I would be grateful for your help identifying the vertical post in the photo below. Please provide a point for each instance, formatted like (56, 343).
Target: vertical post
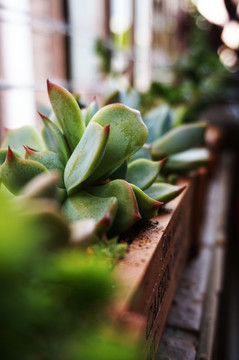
(107, 10)
(132, 60)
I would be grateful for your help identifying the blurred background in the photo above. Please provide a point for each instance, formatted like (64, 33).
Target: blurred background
(98, 46)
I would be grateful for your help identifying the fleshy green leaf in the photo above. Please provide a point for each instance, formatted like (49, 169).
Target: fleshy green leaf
(26, 135)
(187, 160)
(164, 192)
(86, 156)
(148, 207)
(143, 172)
(91, 110)
(54, 139)
(143, 153)
(86, 206)
(47, 158)
(127, 135)
(158, 121)
(127, 213)
(17, 172)
(67, 112)
(178, 139)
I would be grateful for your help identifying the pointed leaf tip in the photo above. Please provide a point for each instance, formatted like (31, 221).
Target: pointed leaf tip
(137, 217)
(157, 204)
(162, 161)
(107, 128)
(49, 84)
(10, 154)
(29, 149)
(183, 187)
(106, 220)
(41, 115)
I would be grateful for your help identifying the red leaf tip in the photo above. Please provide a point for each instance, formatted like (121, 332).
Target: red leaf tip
(29, 150)
(137, 217)
(40, 114)
(181, 188)
(106, 220)
(162, 161)
(157, 204)
(107, 128)
(49, 85)
(10, 155)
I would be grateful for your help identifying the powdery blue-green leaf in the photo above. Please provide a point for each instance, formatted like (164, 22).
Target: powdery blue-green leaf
(91, 110)
(17, 172)
(26, 135)
(127, 135)
(143, 172)
(83, 205)
(67, 112)
(187, 160)
(164, 192)
(127, 213)
(143, 153)
(158, 121)
(54, 139)
(148, 207)
(129, 98)
(178, 139)
(86, 156)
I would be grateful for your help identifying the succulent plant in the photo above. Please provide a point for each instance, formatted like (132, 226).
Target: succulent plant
(90, 153)
(181, 145)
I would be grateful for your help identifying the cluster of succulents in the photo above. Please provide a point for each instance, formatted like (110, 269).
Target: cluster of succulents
(107, 176)
(88, 173)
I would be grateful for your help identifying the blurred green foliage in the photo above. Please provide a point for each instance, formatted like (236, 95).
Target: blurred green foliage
(53, 305)
(105, 55)
(199, 78)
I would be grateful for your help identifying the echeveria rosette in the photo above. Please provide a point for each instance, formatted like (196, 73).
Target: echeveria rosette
(91, 158)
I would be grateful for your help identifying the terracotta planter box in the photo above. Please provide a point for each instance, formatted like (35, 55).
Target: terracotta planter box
(151, 269)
